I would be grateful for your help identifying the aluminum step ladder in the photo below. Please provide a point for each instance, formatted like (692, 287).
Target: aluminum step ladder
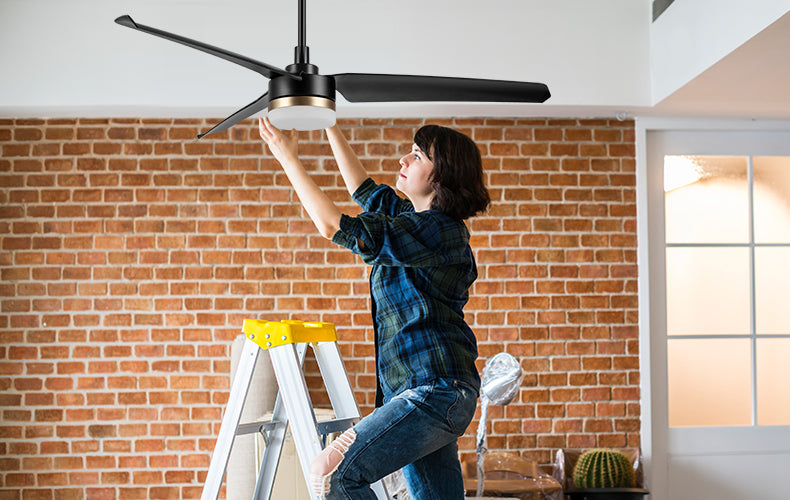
(286, 342)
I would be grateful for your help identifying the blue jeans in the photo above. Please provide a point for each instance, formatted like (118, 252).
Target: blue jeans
(416, 430)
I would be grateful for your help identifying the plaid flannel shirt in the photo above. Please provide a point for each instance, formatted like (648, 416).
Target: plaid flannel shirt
(423, 267)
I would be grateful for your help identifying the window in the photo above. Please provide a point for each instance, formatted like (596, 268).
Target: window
(727, 231)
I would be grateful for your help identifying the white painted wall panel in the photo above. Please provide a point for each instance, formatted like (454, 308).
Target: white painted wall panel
(729, 477)
(692, 35)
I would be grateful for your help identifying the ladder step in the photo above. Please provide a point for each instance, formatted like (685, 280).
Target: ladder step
(253, 427)
(324, 427)
(337, 425)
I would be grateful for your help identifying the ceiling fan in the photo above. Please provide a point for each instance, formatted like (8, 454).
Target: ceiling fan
(300, 98)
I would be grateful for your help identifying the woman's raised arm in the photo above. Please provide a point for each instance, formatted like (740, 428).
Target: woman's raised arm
(350, 167)
(322, 210)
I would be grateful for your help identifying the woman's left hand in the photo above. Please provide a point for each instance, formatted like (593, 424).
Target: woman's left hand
(282, 145)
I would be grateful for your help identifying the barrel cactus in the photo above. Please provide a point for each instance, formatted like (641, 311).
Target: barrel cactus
(603, 468)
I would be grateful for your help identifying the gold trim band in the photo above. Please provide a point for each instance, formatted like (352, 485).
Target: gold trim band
(301, 100)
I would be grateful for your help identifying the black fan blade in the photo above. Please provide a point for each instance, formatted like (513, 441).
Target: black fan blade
(364, 87)
(245, 112)
(257, 66)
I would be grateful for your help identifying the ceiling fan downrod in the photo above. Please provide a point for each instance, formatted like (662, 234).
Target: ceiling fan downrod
(302, 51)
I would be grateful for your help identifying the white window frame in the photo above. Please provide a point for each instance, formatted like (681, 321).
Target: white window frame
(654, 421)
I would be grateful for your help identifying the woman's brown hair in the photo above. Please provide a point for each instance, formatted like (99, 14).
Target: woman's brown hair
(457, 178)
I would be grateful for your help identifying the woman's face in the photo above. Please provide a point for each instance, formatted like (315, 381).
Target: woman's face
(414, 178)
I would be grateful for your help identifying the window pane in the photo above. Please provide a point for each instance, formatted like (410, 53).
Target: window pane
(773, 382)
(709, 382)
(707, 291)
(772, 289)
(706, 199)
(772, 199)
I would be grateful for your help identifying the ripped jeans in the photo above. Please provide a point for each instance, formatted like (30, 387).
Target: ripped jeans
(416, 430)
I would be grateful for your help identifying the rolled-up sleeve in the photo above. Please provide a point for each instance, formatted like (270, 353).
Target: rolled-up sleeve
(411, 239)
(350, 234)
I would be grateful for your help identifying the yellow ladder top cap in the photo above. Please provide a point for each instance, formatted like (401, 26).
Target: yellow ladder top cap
(268, 334)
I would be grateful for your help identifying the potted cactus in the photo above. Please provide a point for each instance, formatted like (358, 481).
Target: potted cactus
(604, 474)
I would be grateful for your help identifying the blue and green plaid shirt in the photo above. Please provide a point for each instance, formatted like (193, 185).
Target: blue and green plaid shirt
(423, 267)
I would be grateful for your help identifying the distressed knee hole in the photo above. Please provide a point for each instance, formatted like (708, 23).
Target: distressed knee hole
(327, 462)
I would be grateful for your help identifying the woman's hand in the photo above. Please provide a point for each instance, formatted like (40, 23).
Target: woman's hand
(283, 145)
(319, 207)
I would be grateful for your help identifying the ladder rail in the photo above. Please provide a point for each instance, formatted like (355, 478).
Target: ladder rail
(275, 437)
(297, 403)
(230, 422)
(274, 442)
(341, 395)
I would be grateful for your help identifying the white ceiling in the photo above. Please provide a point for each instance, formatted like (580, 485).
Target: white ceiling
(69, 59)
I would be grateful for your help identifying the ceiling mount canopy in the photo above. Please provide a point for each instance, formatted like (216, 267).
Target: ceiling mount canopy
(299, 97)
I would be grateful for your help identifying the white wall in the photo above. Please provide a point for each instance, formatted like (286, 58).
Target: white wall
(69, 58)
(692, 35)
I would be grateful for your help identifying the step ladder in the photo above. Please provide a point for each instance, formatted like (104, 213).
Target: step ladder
(286, 342)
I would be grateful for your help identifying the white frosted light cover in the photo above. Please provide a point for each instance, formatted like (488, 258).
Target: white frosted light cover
(302, 118)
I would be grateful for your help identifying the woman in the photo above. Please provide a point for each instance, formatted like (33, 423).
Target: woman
(427, 382)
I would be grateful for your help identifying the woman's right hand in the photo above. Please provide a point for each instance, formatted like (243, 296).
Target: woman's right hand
(284, 146)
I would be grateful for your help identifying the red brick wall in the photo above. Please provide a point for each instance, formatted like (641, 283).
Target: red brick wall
(130, 254)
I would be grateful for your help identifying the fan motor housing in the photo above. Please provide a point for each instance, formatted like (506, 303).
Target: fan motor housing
(311, 84)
